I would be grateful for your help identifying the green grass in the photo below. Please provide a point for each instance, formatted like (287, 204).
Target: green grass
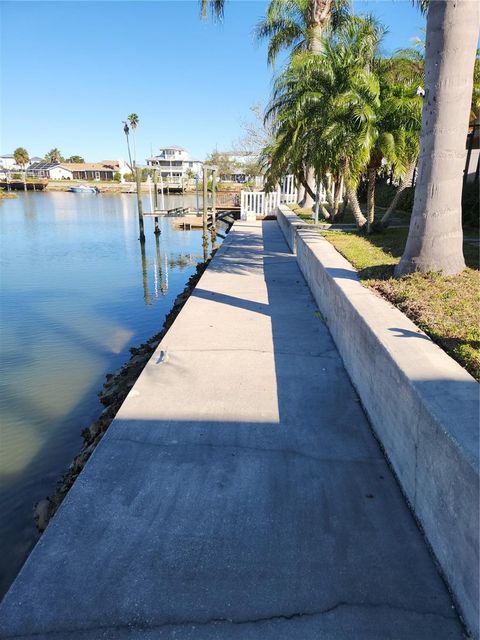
(400, 217)
(447, 308)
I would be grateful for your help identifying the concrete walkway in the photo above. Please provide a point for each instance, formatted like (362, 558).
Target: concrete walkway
(239, 494)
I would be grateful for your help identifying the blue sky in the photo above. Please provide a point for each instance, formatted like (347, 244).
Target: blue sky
(72, 71)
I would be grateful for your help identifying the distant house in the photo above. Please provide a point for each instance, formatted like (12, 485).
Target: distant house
(50, 170)
(7, 163)
(241, 166)
(104, 170)
(174, 162)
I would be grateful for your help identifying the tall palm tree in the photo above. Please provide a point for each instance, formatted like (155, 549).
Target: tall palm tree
(298, 25)
(133, 120)
(126, 131)
(325, 105)
(435, 238)
(22, 158)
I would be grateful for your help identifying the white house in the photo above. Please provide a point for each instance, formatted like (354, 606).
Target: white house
(7, 163)
(104, 170)
(175, 162)
(241, 163)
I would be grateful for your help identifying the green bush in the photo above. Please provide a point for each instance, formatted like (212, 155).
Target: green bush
(384, 194)
(129, 177)
(16, 176)
(117, 176)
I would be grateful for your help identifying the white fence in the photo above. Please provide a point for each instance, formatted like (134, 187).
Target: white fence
(260, 204)
(255, 204)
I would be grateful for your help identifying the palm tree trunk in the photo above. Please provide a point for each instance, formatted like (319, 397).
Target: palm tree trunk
(315, 42)
(134, 149)
(336, 196)
(319, 13)
(435, 236)
(360, 219)
(372, 176)
(300, 193)
(309, 198)
(406, 182)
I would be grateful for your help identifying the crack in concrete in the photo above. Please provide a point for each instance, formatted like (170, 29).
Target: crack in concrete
(228, 621)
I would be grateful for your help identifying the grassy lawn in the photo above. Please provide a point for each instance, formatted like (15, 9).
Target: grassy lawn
(446, 308)
(305, 214)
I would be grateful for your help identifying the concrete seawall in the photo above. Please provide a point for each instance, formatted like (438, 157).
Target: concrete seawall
(423, 406)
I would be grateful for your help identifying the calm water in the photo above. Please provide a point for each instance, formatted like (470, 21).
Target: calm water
(76, 293)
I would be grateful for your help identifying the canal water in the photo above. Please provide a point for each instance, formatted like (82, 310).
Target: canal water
(76, 293)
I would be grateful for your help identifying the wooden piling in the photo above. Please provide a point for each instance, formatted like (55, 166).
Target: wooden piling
(214, 207)
(205, 214)
(155, 190)
(138, 177)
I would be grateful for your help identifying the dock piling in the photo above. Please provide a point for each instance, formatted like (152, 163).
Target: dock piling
(205, 214)
(138, 176)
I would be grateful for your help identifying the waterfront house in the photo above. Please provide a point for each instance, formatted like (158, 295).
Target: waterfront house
(175, 162)
(7, 163)
(104, 170)
(243, 167)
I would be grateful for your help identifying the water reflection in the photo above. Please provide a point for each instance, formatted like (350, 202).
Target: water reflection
(160, 274)
(75, 295)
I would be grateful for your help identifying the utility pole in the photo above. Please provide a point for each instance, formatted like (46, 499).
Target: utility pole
(138, 176)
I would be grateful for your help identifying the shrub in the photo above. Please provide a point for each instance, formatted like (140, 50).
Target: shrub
(117, 176)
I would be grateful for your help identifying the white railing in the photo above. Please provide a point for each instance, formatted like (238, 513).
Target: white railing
(260, 204)
(288, 190)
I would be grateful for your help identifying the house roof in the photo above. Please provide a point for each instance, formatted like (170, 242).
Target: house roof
(43, 165)
(173, 147)
(7, 155)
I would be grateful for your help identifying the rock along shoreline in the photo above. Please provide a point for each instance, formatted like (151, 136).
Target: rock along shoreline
(112, 395)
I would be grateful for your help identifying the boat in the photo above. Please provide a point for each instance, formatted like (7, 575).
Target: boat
(83, 188)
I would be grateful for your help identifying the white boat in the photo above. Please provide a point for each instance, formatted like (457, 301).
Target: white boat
(84, 188)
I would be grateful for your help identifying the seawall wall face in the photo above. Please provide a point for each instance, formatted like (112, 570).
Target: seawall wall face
(422, 405)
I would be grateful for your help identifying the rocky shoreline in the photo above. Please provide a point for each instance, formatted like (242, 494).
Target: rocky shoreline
(112, 395)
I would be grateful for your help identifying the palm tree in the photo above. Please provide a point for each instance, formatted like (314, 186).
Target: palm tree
(133, 120)
(435, 238)
(396, 133)
(298, 25)
(216, 8)
(22, 158)
(325, 104)
(54, 155)
(126, 131)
